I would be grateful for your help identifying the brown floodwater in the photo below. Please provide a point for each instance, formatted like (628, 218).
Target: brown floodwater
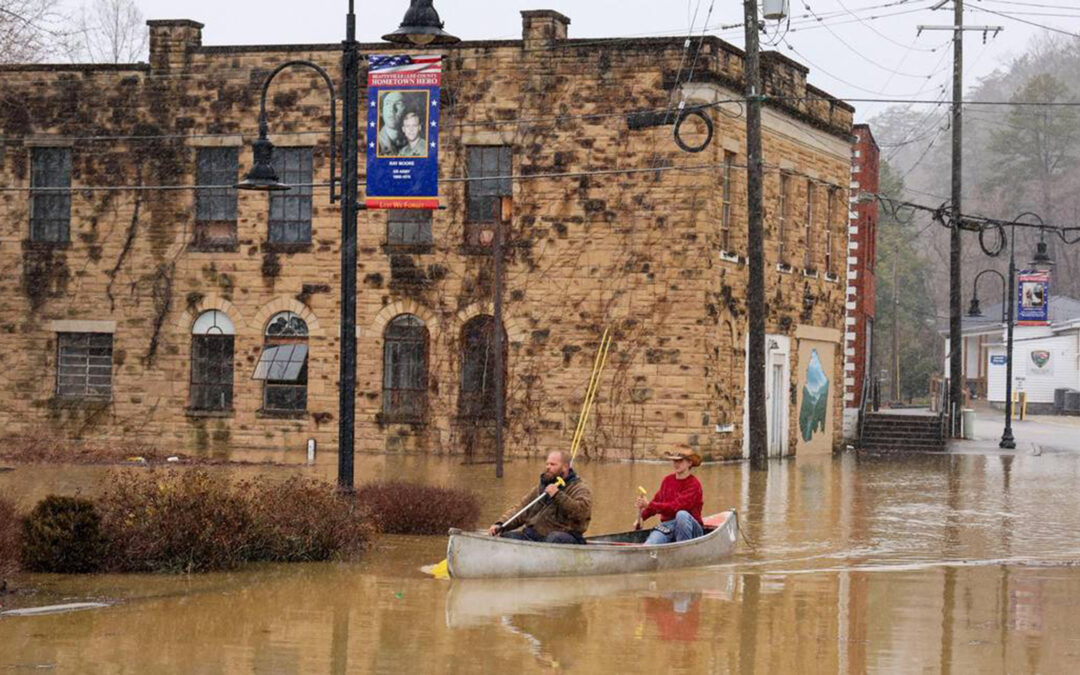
(922, 563)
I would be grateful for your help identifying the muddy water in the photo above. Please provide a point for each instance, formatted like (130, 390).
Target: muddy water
(937, 564)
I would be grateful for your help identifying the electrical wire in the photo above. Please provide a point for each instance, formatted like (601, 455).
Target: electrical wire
(1025, 21)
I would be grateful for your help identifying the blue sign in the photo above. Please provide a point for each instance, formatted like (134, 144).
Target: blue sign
(1033, 298)
(998, 360)
(403, 131)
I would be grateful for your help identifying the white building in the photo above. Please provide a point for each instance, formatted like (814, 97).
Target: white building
(1045, 358)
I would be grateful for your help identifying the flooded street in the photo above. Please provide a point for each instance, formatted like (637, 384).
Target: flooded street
(925, 563)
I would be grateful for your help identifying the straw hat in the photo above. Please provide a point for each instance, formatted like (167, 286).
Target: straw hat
(684, 452)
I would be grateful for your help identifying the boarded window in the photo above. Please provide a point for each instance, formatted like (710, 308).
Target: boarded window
(808, 259)
(215, 209)
(405, 373)
(782, 218)
(84, 365)
(212, 345)
(725, 213)
(50, 209)
(477, 396)
(484, 197)
(408, 228)
(282, 366)
(290, 210)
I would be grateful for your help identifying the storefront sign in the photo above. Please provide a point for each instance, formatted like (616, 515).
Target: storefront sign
(996, 360)
(1033, 303)
(403, 132)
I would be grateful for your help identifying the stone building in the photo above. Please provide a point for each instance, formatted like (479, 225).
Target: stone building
(862, 255)
(144, 298)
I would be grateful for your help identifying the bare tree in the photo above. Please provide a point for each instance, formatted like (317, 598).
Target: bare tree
(29, 29)
(109, 31)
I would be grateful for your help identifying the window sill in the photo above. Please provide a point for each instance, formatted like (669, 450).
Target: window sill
(783, 268)
(287, 247)
(83, 402)
(35, 245)
(413, 421)
(197, 413)
(811, 273)
(213, 247)
(728, 256)
(832, 278)
(281, 414)
(417, 249)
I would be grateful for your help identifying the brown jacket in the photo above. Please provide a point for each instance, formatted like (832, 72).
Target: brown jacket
(569, 511)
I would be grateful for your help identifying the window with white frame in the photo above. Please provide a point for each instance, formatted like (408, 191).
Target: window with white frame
(212, 344)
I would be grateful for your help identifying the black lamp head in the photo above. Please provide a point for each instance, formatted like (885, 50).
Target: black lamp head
(421, 27)
(262, 176)
(1042, 261)
(974, 310)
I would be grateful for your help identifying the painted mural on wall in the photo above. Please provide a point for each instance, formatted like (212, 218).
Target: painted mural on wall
(816, 391)
(815, 400)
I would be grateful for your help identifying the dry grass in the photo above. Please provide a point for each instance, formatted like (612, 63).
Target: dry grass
(411, 508)
(46, 447)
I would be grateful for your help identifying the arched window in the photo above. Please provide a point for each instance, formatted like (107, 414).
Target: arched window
(405, 374)
(212, 338)
(283, 364)
(477, 396)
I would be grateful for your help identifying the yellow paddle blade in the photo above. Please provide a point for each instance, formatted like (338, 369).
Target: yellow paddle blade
(439, 570)
(643, 491)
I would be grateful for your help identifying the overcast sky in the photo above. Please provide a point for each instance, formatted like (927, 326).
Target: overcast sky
(858, 49)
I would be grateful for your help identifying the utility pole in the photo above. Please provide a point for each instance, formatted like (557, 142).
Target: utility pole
(894, 385)
(956, 384)
(755, 248)
(500, 365)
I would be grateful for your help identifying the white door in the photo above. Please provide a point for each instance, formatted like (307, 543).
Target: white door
(777, 410)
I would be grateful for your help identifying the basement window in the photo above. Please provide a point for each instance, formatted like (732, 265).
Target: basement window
(408, 229)
(282, 365)
(215, 207)
(84, 366)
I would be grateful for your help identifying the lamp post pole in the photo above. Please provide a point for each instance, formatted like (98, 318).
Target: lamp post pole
(1007, 440)
(350, 66)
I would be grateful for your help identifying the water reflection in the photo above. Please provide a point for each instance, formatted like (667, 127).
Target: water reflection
(933, 563)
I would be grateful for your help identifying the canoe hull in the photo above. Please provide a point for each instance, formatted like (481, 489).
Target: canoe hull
(473, 555)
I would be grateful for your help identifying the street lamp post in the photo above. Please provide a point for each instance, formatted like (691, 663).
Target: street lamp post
(1041, 260)
(420, 27)
(973, 309)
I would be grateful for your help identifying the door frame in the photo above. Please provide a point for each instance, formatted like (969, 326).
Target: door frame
(777, 352)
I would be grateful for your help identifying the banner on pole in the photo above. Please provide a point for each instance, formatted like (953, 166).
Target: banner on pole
(1033, 301)
(403, 131)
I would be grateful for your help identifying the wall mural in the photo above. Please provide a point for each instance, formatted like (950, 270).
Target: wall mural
(813, 413)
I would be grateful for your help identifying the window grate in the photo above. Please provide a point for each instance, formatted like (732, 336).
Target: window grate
(84, 365)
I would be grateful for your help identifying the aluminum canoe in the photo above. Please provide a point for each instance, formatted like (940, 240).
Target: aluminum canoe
(475, 555)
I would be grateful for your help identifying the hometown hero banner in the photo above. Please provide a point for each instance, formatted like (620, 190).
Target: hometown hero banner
(403, 131)
(1033, 301)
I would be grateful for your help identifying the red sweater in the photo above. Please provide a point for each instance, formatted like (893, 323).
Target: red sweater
(676, 495)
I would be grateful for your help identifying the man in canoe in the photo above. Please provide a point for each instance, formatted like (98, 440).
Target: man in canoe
(561, 517)
(678, 503)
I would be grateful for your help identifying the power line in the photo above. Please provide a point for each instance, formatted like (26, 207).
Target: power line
(1030, 23)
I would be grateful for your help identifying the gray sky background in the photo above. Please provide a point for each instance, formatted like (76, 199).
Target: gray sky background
(858, 49)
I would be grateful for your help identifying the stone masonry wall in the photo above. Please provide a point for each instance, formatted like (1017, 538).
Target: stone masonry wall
(636, 252)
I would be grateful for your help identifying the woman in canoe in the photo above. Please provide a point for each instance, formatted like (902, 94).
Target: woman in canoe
(678, 503)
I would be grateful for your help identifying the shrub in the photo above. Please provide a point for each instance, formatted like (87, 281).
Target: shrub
(46, 446)
(302, 519)
(410, 508)
(194, 522)
(174, 522)
(62, 534)
(10, 539)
